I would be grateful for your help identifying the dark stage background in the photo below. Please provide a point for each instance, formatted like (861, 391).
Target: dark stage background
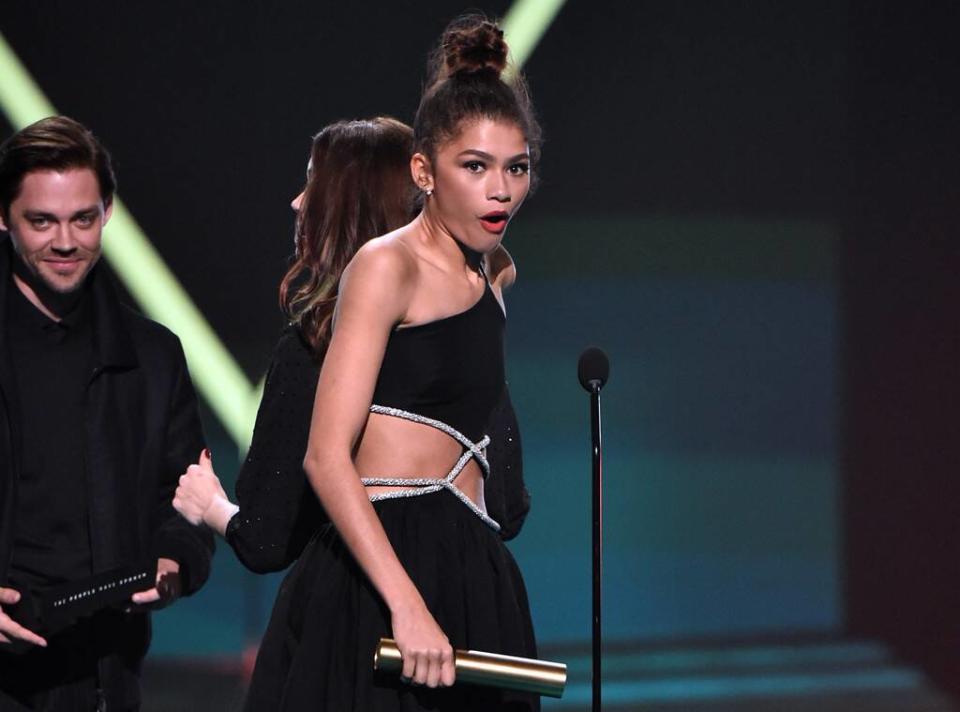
(752, 206)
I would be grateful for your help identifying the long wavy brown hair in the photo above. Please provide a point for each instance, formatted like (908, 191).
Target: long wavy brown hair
(358, 187)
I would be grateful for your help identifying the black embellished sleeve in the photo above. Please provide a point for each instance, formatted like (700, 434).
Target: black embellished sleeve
(279, 511)
(506, 495)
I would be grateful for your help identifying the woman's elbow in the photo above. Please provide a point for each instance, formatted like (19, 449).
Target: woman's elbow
(319, 465)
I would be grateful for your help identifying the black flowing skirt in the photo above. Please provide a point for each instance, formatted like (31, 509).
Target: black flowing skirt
(317, 653)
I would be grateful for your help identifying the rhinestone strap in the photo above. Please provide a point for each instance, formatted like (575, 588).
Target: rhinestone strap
(475, 448)
(428, 485)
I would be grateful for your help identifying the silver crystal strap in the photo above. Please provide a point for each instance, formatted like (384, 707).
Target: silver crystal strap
(427, 485)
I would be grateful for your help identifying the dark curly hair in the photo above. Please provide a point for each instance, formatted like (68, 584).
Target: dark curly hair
(465, 82)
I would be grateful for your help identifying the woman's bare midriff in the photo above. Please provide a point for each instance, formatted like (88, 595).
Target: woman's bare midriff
(391, 447)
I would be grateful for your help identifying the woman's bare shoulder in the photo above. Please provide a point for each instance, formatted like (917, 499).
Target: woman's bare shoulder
(381, 276)
(384, 260)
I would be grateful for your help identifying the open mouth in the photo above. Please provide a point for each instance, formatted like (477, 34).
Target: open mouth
(495, 222)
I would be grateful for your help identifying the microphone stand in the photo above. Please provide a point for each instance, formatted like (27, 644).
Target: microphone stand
(597, 536)
(593, 369)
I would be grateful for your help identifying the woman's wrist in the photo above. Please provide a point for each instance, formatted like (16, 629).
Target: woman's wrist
(219, 514)
(405, 601)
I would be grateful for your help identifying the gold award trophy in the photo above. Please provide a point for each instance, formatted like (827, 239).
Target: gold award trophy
(505, 671)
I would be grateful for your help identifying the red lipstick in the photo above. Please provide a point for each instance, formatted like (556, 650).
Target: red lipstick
(496, 221)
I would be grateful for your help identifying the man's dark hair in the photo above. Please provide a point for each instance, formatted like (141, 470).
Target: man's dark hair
(55, 143)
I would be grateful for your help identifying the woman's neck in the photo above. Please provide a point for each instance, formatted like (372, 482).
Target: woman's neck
(437, 237)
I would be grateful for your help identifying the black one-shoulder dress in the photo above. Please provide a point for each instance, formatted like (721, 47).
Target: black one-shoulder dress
(317, 653)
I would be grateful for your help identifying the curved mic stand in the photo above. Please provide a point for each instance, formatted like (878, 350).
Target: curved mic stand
(593, 369)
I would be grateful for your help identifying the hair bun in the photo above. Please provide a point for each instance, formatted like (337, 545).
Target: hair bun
(473, 44)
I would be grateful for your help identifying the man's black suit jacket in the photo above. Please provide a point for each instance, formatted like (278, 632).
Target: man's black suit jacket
(142, 431)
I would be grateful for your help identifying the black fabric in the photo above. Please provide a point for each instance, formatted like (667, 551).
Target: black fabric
(504, 491)
(317, 653)
(279, 511)
(450, 370)
(141, 432)
(51, 362)
(66, 676)
(72, 695)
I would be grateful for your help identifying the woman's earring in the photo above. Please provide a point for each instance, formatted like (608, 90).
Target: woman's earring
(428, 192)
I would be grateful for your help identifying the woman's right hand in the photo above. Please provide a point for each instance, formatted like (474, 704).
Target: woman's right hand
(427, 654)
(200, 497)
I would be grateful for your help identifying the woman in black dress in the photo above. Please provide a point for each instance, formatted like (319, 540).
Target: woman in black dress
(413, 372)
(358, 185)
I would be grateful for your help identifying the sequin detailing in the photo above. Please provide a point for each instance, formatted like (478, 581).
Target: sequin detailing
(428, 485)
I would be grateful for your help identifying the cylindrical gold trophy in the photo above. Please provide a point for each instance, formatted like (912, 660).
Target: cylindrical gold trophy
(504, 671)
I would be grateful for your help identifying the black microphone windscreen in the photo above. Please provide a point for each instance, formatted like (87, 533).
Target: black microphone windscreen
(593, 368)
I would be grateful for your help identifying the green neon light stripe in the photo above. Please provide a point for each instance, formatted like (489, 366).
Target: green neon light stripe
(148, 279)
(216, 374)
(20, 97)
(525, 23)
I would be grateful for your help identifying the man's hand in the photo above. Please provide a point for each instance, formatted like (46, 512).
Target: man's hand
(166, 590)
(9, 628)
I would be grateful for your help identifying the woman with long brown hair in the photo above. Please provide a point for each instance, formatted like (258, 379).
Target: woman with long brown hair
(358, 186)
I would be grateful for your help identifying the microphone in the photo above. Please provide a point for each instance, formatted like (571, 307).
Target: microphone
(593, 369)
